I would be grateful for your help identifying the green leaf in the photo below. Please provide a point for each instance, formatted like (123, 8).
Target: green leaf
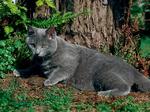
(2, 75)
(2, 44)
(18, 44)
(104, 107)
(39, 3)
(8, 29)
(22, 8)
(57, 19)
(50, 3)
(13, 7)
(145, 47)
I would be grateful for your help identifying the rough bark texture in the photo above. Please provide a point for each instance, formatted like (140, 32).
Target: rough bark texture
(98, 29)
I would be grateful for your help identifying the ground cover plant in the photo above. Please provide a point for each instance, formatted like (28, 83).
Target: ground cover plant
(29, 95)
(12, 51)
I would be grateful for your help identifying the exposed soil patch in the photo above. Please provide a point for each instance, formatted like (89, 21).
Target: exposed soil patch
(34, 86)
(34, 89)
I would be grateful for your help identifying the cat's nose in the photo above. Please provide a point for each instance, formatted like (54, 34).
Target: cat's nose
(37, 51)
(37, 55)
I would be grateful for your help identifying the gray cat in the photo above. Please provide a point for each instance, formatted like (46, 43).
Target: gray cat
(83, 68)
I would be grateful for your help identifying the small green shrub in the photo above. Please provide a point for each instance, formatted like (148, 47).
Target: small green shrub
(6, 56)
(13, 17)
(16, 98)
(84, 107)
(9, 103)
(122, 101)
(4, 100)
(58, 99)
(57, 19)
(11, 50)
(137, 11)
(50, 3)
(145, 47)
(129, 105)
(103, 107)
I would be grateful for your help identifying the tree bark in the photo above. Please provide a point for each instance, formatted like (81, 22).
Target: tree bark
(100, 29)
(97, 30)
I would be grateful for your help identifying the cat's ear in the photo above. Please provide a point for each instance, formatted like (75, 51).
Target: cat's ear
(51, 33)
(30, 30)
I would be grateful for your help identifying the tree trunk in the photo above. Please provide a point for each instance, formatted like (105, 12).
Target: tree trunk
(97, 30)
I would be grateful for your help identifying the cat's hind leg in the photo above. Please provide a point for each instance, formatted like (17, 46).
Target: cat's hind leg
(115, 92)
(114, 85)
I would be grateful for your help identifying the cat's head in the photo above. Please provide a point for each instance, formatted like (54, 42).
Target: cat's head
(42, 42)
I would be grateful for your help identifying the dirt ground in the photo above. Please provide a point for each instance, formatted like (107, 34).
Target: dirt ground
(34, 86)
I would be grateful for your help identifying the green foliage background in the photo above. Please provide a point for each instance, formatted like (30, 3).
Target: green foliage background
(138, 9)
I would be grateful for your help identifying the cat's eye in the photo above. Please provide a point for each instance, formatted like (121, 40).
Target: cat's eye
(31, 32)
(32, 44)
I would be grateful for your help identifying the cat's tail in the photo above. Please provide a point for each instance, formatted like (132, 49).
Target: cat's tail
(142, 83)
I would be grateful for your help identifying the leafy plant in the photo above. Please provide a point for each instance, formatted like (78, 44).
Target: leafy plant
(103, 107)
(57, 19)
(145, 47)
(122, 102)
(10, 103)
(137, 11)
(50, 3)
(58, 99)
(6, 56)
(129, 105)
(84, 107)
(4, 100)
(10, 51)
(15, 97)
(12, 15)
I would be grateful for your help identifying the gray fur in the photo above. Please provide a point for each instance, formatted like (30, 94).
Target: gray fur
(83, 68)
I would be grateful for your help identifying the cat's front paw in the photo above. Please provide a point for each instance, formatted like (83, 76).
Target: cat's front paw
(105, 93)
(16, 73)
(47, 82)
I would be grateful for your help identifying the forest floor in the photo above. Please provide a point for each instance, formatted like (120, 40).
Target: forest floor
(29, 95)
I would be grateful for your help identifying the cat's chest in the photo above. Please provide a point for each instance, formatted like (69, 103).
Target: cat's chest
(56, 60)
(50, 62)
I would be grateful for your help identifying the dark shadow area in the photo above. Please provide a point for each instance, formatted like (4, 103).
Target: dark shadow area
(27, 68)
(29, 5)
(120, 11)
